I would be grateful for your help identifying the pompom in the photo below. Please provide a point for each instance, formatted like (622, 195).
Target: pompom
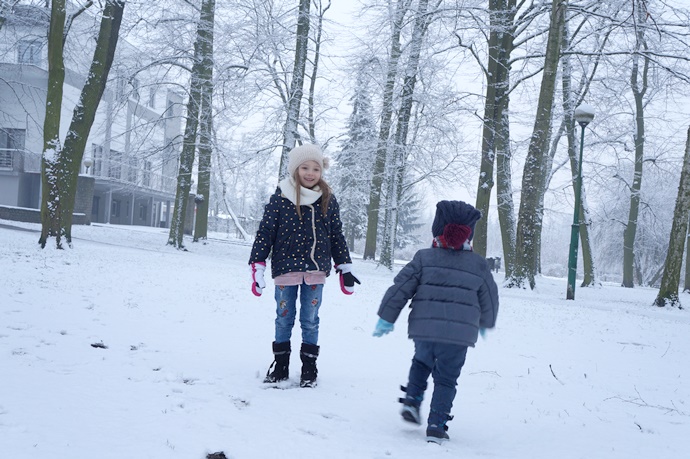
(456, 235)
(457, 212)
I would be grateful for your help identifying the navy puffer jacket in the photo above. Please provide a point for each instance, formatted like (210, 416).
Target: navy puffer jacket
(291, 239)
(453, 295)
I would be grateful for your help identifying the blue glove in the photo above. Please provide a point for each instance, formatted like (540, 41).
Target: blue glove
(482, 331)
(383, 327)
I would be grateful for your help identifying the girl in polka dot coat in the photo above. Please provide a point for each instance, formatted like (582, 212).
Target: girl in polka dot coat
(302, 232)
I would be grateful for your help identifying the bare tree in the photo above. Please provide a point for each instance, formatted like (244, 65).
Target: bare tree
(638, 83)
(507, 21)
(497, 74)
(574, 95)
(203, 189)
(294, 97)
(311, 117)
(397, 22)
(399, 149)
(668, 293)
(533, 175)
(61, 163)
(189, 143)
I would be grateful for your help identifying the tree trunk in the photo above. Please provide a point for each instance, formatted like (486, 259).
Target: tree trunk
(638, 84)
(311, 117)
(422, 21)
(501, 14)
(51, 126)
(184, 174)
(668, 292)
(384, 132)
(290, 134)
(504, 191)
(504, 176)
(588, 265)
(529, 215)
(61, 167)
(569, 126)
(203, 189)
(686, 283)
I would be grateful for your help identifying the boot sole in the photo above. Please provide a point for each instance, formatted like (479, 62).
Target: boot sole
(409, 416)
(438, 441)
(430, 438)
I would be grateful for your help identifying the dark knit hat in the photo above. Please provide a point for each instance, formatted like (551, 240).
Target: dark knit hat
(455, 212)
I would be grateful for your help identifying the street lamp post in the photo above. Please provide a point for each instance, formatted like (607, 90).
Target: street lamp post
(584, 114)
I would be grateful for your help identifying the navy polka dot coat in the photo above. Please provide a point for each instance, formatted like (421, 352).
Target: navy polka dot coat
(292, 239)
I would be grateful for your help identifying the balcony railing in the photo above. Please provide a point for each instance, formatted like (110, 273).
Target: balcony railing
(6, 159)
(11, 159)
(116, 171)
(126, 174)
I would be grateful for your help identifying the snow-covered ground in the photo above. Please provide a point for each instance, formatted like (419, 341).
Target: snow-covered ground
(124, 348)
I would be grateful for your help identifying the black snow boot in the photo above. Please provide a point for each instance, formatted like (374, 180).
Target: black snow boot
(437, 429)
(410, 411)
(308, 354)
(281, 362)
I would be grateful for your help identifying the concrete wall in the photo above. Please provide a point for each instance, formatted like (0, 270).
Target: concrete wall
(22, 214)
(32, 214)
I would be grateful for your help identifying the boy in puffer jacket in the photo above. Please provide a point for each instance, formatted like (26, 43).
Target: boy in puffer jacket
(454, 298)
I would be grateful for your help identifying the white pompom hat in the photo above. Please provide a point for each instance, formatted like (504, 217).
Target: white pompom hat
(303, 153)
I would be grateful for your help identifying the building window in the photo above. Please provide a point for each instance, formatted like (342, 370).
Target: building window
(11, 141)
(97, 156)
(29, 52)
(115, 164)
(135, 88)
(152, 97)
(120, 88)
(95, 203)
(133, 170)
(142, 212)
(115, 209)
(170, 108)
(147, 174)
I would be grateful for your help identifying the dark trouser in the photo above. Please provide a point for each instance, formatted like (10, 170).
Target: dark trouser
(443, 362)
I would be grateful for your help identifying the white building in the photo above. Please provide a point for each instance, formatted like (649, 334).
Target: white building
(133, 149)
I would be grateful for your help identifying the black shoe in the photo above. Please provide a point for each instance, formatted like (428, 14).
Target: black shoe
(308, 355)
(280, 366)
(436, 434)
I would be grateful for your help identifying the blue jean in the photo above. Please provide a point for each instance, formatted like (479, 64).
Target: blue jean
(286, 311)
(443, 361)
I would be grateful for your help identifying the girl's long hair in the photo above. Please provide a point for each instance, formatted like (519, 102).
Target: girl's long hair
(326, 194)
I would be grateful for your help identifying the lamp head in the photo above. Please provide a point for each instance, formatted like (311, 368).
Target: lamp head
(584, 114)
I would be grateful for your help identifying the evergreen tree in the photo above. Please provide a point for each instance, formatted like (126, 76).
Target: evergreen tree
(355, 161)
(410, 209)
